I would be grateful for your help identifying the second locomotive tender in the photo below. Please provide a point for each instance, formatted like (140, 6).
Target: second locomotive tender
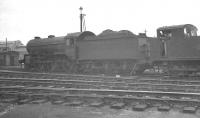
(113, 52)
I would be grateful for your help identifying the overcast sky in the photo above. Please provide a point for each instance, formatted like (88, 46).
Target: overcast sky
(25, 19)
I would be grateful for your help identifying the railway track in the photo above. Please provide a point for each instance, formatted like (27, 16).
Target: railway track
(23, 87)
(103, 85)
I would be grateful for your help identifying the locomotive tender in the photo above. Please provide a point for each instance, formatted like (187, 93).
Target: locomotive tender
(113, 52)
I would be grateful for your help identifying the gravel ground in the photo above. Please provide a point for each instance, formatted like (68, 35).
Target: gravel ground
(59, 111)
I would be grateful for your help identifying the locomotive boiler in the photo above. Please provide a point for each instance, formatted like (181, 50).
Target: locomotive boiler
(54, 53)
(176, 48)
(110, 52)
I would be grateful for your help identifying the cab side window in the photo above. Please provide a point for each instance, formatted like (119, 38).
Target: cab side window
(165, 34)
(186, 32)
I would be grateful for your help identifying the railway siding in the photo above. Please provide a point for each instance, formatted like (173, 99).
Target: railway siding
(141, 91)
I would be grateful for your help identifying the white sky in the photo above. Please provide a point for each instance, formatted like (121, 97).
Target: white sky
(25, 19)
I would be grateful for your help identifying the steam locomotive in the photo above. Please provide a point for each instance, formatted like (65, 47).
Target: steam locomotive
(116, 52)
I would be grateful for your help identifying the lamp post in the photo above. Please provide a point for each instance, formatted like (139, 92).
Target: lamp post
(81, 19)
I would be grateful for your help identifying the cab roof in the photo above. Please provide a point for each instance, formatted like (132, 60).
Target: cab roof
(190, 26)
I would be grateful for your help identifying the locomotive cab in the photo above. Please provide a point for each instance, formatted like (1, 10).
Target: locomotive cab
(179, 46)
(174, 33)
(177, 31)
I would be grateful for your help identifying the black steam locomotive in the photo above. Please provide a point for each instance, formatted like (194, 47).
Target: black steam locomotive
(116, 52)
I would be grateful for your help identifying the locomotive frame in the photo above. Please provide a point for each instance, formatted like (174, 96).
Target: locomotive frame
(175, 49)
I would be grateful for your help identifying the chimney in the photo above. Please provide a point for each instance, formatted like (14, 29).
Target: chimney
(51, 36)
(37, 37)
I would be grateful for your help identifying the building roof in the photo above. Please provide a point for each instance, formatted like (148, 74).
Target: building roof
(10, 45)
(18, 42)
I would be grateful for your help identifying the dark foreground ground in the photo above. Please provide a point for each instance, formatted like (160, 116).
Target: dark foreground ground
(48, 110)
